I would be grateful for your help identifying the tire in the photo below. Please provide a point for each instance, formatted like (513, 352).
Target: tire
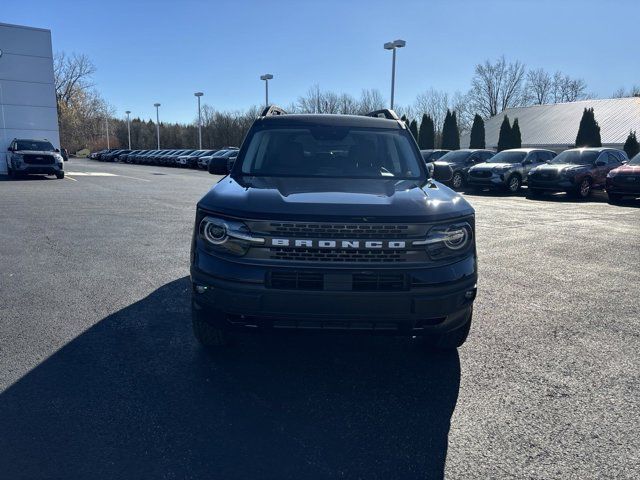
(583, 190)
(457, 181)
(60, 175)
(455, 338)
(614, 198)
(514, 183)
(207, 334)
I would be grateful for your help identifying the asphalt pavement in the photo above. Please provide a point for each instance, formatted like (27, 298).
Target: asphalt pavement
(100, 376)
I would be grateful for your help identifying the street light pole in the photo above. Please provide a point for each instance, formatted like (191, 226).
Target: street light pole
(394, 46)
(199, 94)
(106, 122)
(266, 77)
(128, 127)
(157, 123)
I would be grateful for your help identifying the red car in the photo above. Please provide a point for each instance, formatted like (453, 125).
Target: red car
(624, 180)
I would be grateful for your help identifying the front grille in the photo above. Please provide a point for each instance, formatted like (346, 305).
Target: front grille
(379, 282)
(480, 173)
(38, 159)
(343, 230)
(358, 282)
(337, 255)
(296, 280)
(544, 176)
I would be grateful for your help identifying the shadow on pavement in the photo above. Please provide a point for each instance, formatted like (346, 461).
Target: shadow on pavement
(135, 397)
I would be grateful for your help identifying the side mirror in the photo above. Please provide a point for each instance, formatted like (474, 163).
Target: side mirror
(440, 172)
(57, 150)
(218, 166)
(10, 149)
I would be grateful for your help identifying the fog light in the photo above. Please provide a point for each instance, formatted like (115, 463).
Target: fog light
(201, 288)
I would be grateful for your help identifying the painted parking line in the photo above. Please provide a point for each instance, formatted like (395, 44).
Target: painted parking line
(103, 174)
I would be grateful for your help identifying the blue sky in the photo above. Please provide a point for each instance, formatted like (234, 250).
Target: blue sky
(165, 50)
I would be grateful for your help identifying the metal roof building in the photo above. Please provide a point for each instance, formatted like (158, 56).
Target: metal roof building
(555, 126)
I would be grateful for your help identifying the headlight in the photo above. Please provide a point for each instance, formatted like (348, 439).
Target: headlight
(612, 173)
(448, 240)
(227, 236)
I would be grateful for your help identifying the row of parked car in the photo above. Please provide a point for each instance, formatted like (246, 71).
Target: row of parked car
(166, 158)
(577, 171)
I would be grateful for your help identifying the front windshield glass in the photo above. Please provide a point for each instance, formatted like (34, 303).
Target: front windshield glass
(635, 161)
(37, 145)
(507, 157)
(576, 157)
(455, 157)
(331, 152)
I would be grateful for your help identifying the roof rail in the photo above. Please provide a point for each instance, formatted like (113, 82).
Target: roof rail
(384, 113)
(272, 110)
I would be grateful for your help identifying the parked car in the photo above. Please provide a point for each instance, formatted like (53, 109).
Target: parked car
(203, 162)
(432, 155)
(28, 156)
(460, 161)
(577, 171)
(190, 160)
(271, 250)
(171, 160)
(65, 154)
(508, 169)
(624, 180)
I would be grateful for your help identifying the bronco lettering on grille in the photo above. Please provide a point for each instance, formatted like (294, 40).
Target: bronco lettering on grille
(333, 244)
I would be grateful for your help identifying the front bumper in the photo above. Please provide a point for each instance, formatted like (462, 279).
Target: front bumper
(620, 186)
(496, 180)
(27, 169)
(556, 185)
(438, 300)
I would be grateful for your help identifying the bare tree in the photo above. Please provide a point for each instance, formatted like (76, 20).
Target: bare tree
(497, 86)
(72, 75)
(567, 89)
(539, 87)
(371, 100)
(434, 103)
(621, 92)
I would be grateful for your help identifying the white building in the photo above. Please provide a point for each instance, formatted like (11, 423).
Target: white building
(555, 126)
(27, 91)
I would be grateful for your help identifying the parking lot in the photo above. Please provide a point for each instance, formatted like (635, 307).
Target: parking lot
(101, 377)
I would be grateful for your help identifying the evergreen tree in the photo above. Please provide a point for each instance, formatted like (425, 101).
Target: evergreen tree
(589, 130)
(413, 128)
(455, 133)
(426, 137)
(631, 146)
(450, 133)
(504, 140)
(516, 136)
(405, 119)
(477, 137)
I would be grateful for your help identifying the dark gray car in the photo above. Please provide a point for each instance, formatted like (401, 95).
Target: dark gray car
(460, 161)
(508, 169)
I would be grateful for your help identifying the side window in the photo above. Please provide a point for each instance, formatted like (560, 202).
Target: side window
(613, 157)
(532, 157)
(486, 156)
(603, 158)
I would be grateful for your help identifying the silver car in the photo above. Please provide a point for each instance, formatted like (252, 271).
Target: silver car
(27, 156)
(507, 170)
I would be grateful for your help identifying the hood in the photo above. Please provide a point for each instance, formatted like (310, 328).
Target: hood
(325, 199)
(561, 167)
(628, 169)
(491, 166)
(34, 152)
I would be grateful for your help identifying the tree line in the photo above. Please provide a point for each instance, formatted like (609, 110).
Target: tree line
(495, 86)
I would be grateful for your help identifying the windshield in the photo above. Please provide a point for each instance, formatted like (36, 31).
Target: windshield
(455, 157)
(576, 157)
(635, 161)
(507, 157)
(34, 145)
(331, 152)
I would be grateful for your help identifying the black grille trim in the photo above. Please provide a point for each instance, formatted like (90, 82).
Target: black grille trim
(342, 230)
(337, 255)
(31, 159)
